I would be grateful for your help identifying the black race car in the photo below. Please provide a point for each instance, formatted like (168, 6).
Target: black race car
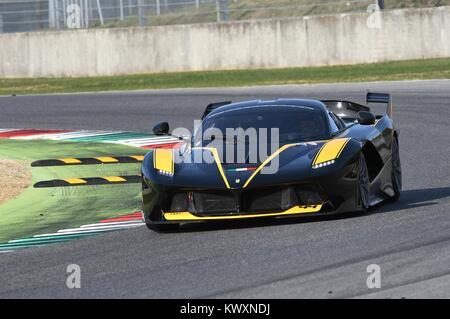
(329, 157)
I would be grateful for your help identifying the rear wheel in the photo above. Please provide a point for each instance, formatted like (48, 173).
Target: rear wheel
(163, 228)
(363, 185)
(396, 170)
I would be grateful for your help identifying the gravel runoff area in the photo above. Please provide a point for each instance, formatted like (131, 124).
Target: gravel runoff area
(15, 177)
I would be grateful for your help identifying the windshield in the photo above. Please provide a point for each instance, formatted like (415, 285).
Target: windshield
(294, 123)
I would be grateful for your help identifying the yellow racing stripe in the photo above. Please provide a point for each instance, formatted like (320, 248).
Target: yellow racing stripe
(331, 150)
(271, 157)
(218, 163)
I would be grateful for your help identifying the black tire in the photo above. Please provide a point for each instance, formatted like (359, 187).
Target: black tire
(396, 170)
(363, 185)
(163, 228)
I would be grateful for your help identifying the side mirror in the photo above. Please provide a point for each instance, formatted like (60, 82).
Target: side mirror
(366, 118)
(161, 128)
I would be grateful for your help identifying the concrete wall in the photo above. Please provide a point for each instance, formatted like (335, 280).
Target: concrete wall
(309, 41)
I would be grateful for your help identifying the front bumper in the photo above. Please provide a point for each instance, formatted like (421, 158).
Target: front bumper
(187, 216)
(336, 193)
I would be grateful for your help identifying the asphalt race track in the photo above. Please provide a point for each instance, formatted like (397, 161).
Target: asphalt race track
(325, 258)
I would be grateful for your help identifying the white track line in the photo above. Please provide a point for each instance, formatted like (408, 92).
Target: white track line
(160, 143)
(27, 240)
(85, 230)
(87, 134)
(67, 135)
(69, 233)
(80, 230)
(40, 238)
(50, 136)
(150, 142)
(149, 139)
(153, 143)
(92, 134)
(136, 222)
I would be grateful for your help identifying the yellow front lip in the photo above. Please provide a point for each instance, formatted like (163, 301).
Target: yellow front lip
(296, 210)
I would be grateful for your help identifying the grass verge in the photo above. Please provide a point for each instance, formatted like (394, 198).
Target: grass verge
(389, 71)
(46, 210)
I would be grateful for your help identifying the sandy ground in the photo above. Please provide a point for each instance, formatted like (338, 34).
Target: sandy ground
(14, 178)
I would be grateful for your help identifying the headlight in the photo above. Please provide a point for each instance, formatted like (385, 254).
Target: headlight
(165, 173)
(323, 164)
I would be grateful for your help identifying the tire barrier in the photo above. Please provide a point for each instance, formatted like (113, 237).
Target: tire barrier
(90, 181)
(89, 161)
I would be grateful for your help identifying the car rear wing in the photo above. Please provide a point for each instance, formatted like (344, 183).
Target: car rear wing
(346, 110)
(381, 98)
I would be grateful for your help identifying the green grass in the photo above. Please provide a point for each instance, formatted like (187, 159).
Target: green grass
(46, 210)
(404, 70)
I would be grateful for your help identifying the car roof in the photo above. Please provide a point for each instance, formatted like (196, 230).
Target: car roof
(315, 104)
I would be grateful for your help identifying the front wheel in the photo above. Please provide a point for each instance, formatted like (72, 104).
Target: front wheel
(396, 175)
(363, 185)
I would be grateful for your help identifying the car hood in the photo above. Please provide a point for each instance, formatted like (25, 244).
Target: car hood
(204, 167)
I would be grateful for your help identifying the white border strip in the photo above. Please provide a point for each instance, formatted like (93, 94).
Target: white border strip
(148, 143)
(81, 230)
(123, 223)
(65, 136)
(56, 235)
